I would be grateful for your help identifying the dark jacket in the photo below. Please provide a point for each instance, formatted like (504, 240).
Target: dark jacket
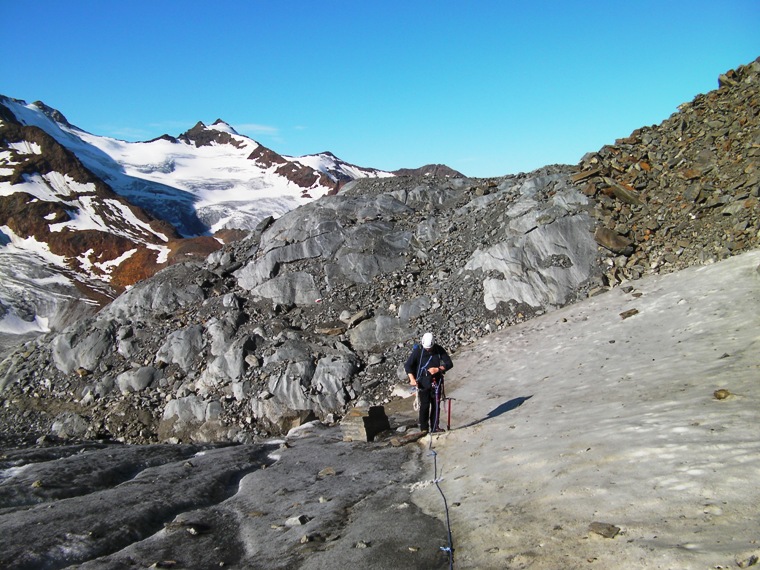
(420, 360)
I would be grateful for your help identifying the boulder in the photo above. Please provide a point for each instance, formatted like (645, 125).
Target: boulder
(277, 418)
(296, 288)
(378, 333)
(364, 423)
(182, 347)
(414, 308)
(323, 244)
(613, 241)
(137, 379)
(170, 290)
(227, 367)
(83, 346)
(329, 382)
(69, 426)
(542, 268)
(291, 388)
(295, 350)
(221, 331)
(192, 419)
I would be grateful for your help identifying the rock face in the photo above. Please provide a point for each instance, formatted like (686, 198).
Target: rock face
(314, 312)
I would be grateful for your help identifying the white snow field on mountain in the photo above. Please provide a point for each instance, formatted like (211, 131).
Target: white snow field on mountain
(225, 191)
(218, 183)
(582, 420)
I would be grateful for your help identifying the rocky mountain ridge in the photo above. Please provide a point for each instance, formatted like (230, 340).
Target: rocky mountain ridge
(440, 170)
(313, 312)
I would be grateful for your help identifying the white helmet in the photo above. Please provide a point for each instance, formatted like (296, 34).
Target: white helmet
(427, 340)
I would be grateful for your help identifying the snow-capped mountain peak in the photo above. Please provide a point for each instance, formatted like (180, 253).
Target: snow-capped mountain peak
(102, 212)
(206, 179)
(337, 169)
(222, 126)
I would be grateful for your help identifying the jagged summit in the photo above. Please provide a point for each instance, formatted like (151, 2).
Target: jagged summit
(54, 114)
(221, 125)
(218, 133)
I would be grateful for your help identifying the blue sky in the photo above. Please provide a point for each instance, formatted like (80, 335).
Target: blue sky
(486, 87)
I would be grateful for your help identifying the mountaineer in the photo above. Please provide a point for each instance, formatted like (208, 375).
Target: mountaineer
(425, 368)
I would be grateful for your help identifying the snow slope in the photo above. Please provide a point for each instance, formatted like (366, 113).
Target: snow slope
(583, 416)
(63, 233)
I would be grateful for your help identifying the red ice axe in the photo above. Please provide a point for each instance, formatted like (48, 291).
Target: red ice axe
(448, 413)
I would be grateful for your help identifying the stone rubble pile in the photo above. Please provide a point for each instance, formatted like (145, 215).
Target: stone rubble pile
(686, 191)
(315, 312)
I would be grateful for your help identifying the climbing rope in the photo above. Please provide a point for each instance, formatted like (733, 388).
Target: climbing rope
(450, 548)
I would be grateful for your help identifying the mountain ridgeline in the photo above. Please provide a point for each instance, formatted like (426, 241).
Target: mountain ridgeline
(313, 312)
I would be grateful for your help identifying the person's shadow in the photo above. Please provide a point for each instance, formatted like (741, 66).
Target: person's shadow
(512, 404)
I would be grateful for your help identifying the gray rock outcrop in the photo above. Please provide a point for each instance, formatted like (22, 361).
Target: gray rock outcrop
(316, 309)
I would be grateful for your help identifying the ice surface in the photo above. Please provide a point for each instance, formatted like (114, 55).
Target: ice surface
(584, 416)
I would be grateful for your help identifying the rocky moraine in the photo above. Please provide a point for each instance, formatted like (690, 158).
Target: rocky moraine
(314, 312)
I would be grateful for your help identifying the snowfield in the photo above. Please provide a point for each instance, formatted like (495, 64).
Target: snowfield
(583, 416)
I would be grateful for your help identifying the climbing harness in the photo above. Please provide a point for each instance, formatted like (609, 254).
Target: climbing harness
(420, 367)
